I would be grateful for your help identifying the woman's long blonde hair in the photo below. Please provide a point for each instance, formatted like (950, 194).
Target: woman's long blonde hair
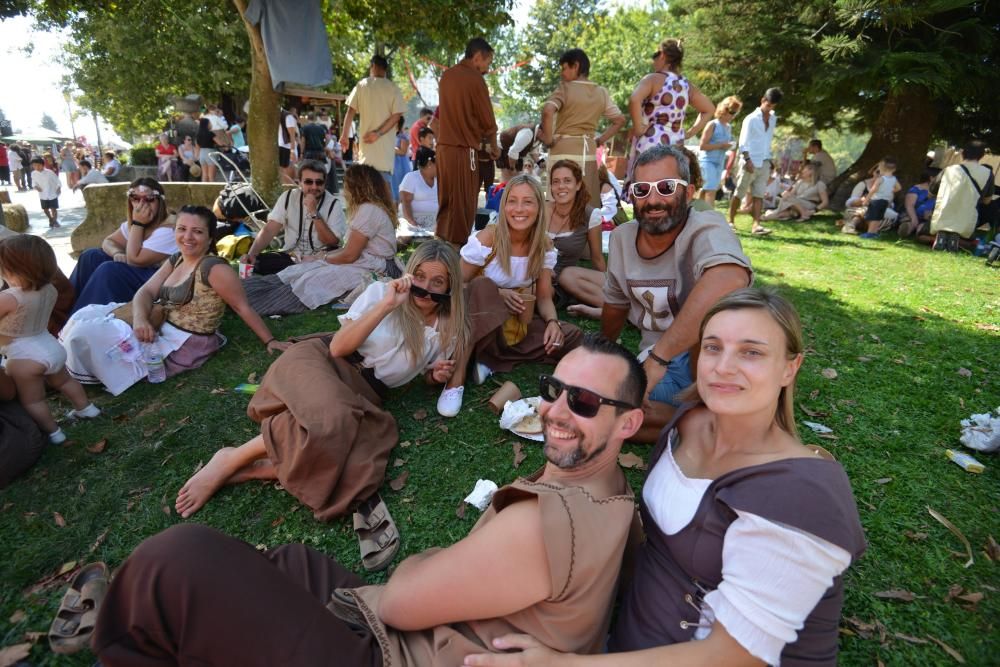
(784, 315)
(538, 241)
(452, 324)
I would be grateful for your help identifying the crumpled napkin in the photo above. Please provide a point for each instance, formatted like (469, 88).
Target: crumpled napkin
(482, 494)
(982, 432)
(514, 412)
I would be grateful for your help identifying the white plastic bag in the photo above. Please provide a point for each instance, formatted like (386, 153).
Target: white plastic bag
(982, 432)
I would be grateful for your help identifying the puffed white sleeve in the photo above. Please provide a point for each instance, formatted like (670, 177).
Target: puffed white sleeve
(609, 204)
(521, 141)
(474, 252)
(371, 296)
(596, 218)
(551, 256)
(773, 576)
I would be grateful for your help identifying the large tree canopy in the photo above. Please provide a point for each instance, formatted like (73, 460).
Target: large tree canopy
(907, 72)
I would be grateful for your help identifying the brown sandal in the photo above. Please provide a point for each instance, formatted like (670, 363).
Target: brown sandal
(74, 622)
(377, 534)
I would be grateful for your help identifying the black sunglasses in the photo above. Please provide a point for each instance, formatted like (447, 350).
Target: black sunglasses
(310, 181)
(581, 401)
(436, 297)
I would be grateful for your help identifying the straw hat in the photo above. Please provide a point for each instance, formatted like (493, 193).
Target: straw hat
(195, 170)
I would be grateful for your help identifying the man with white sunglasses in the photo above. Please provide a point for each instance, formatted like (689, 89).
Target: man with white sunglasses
(665, 270)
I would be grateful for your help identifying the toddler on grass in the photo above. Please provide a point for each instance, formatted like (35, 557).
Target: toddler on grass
(33, 356)
(880, 197)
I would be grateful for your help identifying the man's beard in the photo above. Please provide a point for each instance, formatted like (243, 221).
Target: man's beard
(667, 223)
(571, 459)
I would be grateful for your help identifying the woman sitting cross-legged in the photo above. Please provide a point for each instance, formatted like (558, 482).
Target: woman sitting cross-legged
(130, 255)
(507, 268)
(319, 279)
(575, 227)
(748, 531)
(177, 310)
(805, 197)
(324, 432)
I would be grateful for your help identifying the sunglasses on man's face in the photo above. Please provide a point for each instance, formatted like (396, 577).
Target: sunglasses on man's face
(313, 181)
(666, 187)
(582, 402)
(436, 297)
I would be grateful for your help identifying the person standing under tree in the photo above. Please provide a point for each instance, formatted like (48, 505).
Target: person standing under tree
(48, 186)
(379, 102)
(467, 124)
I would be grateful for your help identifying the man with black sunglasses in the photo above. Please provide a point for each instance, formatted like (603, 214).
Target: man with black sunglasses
(312, 219)
(544, 559)
(665, 270)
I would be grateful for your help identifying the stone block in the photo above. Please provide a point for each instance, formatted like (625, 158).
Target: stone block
(15, 217)
(107, 208)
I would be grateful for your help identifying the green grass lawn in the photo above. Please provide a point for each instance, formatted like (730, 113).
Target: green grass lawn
(895, 321)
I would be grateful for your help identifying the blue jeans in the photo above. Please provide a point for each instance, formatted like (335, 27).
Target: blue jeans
(677, 377)
(97, 278)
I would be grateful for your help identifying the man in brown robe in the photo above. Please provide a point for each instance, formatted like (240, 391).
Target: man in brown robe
(465, 125)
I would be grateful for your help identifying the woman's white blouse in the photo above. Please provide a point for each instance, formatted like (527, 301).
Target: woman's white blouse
(475, 253)
(773, 575)
(383, 350)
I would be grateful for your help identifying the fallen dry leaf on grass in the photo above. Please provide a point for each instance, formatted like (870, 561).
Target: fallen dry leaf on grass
(813, 413)
(519, 454)
(908, 638)
(883, 480)
(953, 590)
(11, 655)
(98, 446)
(992, 549)
(956, 532)
(442, 428)
(460, 510)
(420, 415)
(60, 521)
(80, 488)
(218, 390)
(814, 394)
(916, 537)
(17, 617)
(277, 522)
(864, 360)
(896, 594)
(405, 443)
(398, 463)
(166, 509)
(965, 372)
(949, 650)
(971, 598)
(99, 540)
(252, 378)
(829, 373)
(398, 483)
(631, 460)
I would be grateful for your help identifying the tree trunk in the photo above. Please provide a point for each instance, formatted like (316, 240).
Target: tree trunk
(264, 116)
(903, 130)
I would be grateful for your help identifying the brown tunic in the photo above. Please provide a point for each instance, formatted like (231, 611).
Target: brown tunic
(584, 540)
(465, 117)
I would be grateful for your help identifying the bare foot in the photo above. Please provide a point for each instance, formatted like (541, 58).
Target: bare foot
(259, 469)
(203, 484)
(583, 310)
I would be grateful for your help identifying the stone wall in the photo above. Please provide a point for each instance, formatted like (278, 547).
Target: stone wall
(15, 217)
(107, 208)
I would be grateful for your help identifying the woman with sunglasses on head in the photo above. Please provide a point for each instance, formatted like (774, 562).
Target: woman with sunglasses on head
(176, 312)
(507, 268)
(324, 432)
(716, 139)
(325, 275)
(130, 255)
(748, 531)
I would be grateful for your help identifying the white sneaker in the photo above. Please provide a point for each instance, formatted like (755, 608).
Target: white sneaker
(450, 401)
(88, 412)
(57, 437)
(481, 373)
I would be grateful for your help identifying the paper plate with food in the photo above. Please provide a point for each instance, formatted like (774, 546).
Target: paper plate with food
(521, 418)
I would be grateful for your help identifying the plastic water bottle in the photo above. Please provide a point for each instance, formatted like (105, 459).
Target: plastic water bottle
(156, 371)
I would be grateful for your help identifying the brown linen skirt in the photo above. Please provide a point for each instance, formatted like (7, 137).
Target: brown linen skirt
(488, 313)
(324, 429)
